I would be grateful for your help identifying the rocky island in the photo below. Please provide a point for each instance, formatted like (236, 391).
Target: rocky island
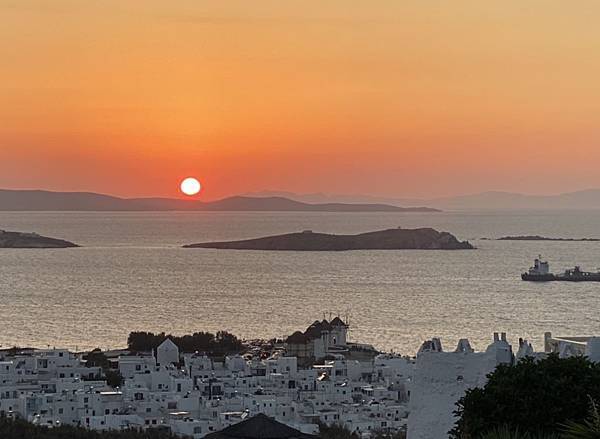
(31, 240)
(391, 239)
(543, 238)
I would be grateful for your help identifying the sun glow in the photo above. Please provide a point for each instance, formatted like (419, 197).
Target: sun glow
(190, 186)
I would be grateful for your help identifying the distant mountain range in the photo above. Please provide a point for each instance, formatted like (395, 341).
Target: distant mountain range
(585, 199)
(39, 200)
(289, 201)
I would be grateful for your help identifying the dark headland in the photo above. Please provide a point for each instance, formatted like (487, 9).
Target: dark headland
(31, 240)
(391, 239)
(35, 200)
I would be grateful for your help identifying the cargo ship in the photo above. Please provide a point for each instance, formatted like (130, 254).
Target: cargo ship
(540, 272)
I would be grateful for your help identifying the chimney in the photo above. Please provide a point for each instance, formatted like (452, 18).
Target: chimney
(547, 343)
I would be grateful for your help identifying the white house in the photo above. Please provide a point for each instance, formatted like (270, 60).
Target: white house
(167, 353)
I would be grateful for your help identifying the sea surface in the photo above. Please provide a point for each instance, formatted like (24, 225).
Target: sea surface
(132, 274)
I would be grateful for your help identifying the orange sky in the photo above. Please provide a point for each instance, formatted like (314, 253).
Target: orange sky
(385, 97)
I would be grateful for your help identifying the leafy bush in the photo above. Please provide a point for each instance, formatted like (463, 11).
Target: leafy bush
(336, 431)
(535, 397)
(20, 429)
(587, 429)
(507, 432)
(388, 434)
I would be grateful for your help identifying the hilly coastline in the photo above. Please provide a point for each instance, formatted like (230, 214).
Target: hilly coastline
(490, 200)
(38, 200)
(391, 239)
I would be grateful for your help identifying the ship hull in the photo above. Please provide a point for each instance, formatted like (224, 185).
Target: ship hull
(538, 277)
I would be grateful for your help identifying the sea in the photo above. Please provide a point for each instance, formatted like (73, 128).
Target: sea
(131, 274)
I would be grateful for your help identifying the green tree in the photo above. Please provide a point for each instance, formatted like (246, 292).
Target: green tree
(222, 343)
(113, 378)
(535, 397)
(336, 431)
(97, 358)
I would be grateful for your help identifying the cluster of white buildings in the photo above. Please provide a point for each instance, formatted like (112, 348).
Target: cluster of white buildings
(193, 395)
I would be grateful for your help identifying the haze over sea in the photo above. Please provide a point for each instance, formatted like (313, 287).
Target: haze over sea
(131, 274)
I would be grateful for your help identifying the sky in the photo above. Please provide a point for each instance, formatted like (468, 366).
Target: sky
(395, 98)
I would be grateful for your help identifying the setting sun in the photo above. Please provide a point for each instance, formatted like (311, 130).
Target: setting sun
(190, 186)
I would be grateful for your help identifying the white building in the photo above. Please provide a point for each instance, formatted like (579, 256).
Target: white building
(441, 379)
(167, 353)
